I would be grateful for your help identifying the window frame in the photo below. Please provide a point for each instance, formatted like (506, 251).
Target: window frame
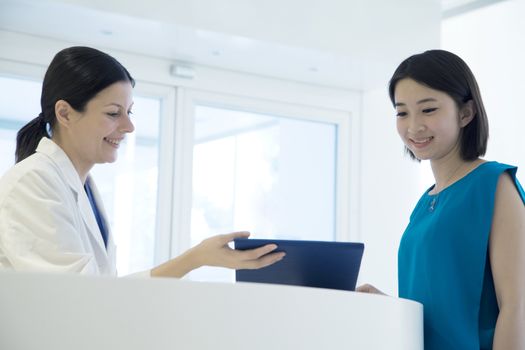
(184, 140)
(166, 157)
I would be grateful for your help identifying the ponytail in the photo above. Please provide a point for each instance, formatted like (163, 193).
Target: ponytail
(29, 136)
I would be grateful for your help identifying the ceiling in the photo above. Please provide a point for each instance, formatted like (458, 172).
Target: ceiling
(341, 43)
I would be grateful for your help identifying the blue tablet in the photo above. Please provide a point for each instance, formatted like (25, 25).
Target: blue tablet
(319, 264)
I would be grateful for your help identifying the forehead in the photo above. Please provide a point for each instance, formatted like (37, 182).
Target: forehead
(409, 90)
(120, 93)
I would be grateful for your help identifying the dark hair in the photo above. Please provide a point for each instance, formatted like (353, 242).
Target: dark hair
(75, 75)
(444, 71)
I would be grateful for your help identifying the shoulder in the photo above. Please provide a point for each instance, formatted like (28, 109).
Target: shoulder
(37, 165)
(486, 175)
(498, 168)
(495, 167)
(508, 189)
(35, 174)
(506, 177)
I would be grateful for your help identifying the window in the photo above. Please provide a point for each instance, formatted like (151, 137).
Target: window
(210, 163)
(270, 172)
(19, 103)
(271, 175)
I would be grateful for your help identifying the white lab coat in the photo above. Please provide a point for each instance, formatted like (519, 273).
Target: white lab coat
(46, 220)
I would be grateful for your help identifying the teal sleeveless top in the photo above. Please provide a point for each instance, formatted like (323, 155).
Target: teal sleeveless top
(443, 260)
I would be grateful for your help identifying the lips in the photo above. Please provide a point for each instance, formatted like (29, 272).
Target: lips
(114, 141)
(421, 142)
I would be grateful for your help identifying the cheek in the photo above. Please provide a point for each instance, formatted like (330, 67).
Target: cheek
(400, 126)
(450, 129)
(106, 127)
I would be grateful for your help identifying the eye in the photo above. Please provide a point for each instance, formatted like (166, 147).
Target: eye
(401, 114)
(113, 114)
(429, 110)
(130, 113)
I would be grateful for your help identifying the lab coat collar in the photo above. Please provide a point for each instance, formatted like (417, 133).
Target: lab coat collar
(60, 158)
(51, 149)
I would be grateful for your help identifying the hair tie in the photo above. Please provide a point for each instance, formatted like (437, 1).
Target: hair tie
(43, 124)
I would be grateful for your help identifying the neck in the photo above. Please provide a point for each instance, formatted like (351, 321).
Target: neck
(81, 167)
(443, 169)
(448, 170)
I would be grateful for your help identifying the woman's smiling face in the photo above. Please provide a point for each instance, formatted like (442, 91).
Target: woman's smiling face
(93, 135)
(428, 120)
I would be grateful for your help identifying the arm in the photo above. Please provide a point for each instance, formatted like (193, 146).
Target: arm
(215, 251)
(507, 259)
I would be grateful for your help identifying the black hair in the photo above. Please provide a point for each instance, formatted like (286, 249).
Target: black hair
(75, 75)
(444, 71)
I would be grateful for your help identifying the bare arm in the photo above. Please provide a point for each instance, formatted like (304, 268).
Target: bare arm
(215, 251)
(507, 258)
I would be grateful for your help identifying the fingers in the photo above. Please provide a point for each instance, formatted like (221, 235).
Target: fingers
(231, 236)
(365, 288)
(256, 253)
(368, 288)
(264, 261)
(218, 253)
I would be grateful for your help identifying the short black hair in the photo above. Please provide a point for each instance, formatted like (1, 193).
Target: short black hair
(444, 71)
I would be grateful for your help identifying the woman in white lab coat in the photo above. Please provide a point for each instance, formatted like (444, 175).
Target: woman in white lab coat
(51, 216)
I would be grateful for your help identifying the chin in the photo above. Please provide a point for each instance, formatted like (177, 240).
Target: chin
(112, 159)
(420, 156)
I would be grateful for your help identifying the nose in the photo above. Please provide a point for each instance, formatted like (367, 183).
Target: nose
(415, 125)
(127, 125)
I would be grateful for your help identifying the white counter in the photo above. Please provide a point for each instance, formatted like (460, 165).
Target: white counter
(70, 312)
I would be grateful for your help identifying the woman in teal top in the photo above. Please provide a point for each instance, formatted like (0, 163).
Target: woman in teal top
(443, 260)
(463, 253)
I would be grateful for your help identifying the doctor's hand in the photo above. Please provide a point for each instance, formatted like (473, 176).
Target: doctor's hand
(368, 288)
(215, 251)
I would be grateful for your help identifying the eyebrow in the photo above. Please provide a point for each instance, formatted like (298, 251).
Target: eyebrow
(120, 106)
(430, 99)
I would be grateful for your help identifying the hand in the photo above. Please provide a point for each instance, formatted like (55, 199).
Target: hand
(368, 288)
(214, 251)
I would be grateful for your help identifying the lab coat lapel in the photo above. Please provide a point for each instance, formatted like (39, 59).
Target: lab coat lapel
(63, 162)
(89, 218)
(110, 249)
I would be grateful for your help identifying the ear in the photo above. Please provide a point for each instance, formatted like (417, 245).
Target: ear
(63, 113)
(467, 113)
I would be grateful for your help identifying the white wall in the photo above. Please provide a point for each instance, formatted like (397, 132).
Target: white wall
(38, 51)
(491, 41)
(327, 25)
(343, 43)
